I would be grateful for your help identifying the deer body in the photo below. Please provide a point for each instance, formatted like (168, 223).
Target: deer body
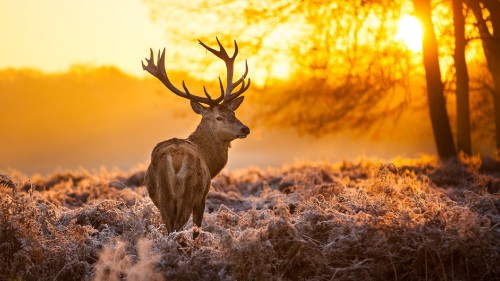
(172, 185)
(179, 175)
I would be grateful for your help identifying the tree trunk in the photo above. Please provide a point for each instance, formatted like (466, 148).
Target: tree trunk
(437, 104)
(496, 105)
(491, 48)
(462, 85)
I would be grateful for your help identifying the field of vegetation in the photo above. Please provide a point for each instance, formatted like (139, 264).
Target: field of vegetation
(413, 219)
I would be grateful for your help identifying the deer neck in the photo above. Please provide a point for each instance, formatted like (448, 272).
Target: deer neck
(213, 150)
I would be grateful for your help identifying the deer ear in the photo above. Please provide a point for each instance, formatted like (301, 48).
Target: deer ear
(198, 108)
(235, 103)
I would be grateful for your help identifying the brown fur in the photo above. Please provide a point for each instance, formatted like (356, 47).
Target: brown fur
(178, 178)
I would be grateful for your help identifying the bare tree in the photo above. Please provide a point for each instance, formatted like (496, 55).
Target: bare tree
(347, 61)
(462, 80)
(342, 54)
(437, 103)
(487, 14)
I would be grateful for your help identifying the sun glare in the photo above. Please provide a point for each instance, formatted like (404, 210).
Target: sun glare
(410, 32)
(281, 69)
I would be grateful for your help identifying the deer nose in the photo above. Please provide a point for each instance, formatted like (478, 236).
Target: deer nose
(245, 130)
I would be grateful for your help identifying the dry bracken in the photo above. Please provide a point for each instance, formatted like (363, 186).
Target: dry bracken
(352, 221)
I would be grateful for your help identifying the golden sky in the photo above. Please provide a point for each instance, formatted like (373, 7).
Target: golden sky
(55, 34)
(113, 120)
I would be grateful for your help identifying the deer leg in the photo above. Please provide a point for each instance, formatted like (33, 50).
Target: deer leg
(168, 213)
(182, 215)
(198, 211)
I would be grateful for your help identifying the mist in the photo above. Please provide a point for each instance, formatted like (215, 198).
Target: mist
(98, 117)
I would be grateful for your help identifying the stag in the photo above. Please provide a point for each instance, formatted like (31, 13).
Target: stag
(179, 175)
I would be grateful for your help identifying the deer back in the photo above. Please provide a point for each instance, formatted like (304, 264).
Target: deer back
(176, 171)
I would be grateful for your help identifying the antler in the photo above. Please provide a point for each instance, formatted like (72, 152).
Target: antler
(158, 71)
(161, 74)
(222, 54)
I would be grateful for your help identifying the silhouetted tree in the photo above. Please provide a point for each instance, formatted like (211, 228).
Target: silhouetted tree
(462, 80)
(487, 14)
(437, 103)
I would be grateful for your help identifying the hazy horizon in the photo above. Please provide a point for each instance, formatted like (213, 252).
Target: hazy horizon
(94, 117)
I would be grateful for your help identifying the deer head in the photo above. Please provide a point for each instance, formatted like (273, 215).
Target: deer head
(218, 114)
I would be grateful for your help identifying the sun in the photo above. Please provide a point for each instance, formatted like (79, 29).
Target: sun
(410, 32)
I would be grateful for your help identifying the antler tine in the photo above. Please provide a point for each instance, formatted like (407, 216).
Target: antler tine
(242, 89)
(229, 61)
(206, 93)
(221, 53)
(158, 71)
(242, 77)
(144, 67)
(231, 86)
(235, 49)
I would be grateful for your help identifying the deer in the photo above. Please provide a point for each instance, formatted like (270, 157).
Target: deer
(179, 175)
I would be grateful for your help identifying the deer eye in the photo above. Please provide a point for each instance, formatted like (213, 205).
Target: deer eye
(219, 118)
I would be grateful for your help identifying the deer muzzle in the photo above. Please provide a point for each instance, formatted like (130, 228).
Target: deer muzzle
(244, 132)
